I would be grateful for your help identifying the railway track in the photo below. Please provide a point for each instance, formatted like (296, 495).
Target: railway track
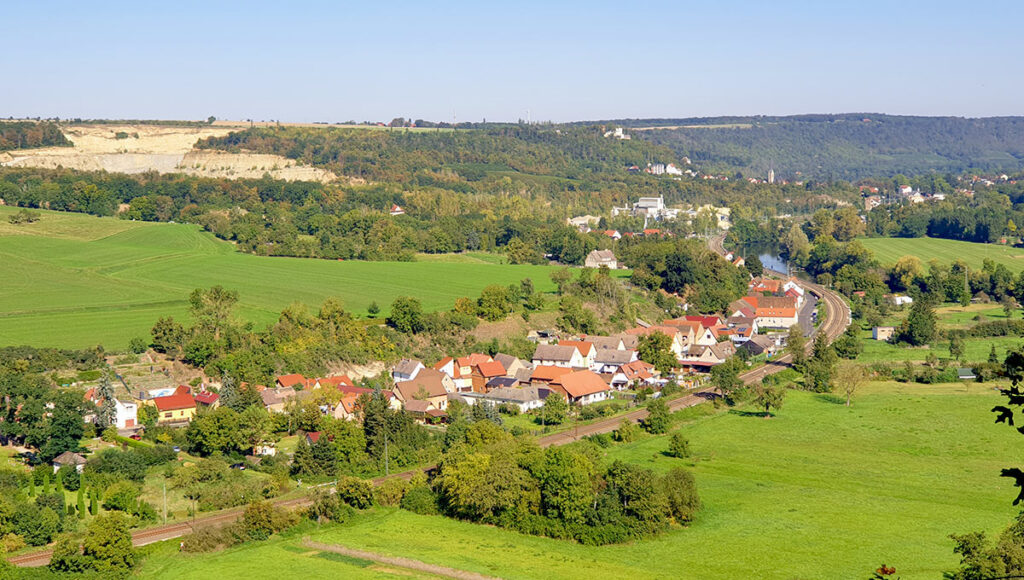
(836, 321)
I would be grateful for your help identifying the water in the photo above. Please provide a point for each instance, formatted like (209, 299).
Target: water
(772, 262)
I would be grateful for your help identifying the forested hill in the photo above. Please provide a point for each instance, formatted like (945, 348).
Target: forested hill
(848, 146)
(29, 134)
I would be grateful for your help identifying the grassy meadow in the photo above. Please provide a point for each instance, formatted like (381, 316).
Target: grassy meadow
(818, 491)
(888, 250)
(74, 280)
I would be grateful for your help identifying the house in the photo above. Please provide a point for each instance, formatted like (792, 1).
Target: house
(127, 415)
(695, 332)
(739, 262)
(347, 408)
(208, 399)
(586, 350)
(406, 370)
(291, 381)
(883, 332)
(501, 383)
(484, 372)
(679, 340)
(466, 363)
(613, 234)
(429, 386)
(705, 357)
(543, 374)
(605, 342)
(450, 367)
(333, 382)
(609, 360)
(760, 345)
(966, 374)
(396, 210)
(274, 400)
(581, 387)
(901, 300)
(312, 437)
(584, 222)
(773, 311)
(69, 458)
(598, 258)
(559, 356)
(542, 336)
(639, 373)
(512, 364)
(175, 409)
(526, 398)
(765, 285)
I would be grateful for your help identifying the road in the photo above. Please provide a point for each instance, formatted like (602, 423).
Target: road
(836, 321)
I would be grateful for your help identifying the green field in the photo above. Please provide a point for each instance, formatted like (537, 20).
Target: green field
(888, 250)
(819, 491)
(74, 280)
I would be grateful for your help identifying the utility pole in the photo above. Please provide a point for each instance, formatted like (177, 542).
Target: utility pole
(386, 473)
(165, 500)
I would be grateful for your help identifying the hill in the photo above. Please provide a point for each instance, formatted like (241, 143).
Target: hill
(888, 250)
(847, 146)
(74, 280)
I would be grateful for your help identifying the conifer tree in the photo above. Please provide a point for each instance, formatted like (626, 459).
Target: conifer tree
(106, 414)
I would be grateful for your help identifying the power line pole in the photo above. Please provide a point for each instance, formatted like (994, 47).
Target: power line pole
(386, 472)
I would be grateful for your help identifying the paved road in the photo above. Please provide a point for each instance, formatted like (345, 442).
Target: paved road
(836, 321)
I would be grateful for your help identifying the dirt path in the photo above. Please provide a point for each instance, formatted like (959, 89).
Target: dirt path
(406, 563)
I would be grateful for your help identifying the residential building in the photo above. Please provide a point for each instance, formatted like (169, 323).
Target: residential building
(175, 409)
(208, 399)
(429, 386)
(397, 210)
(484, 372)
(69, 458)
(559, 356)
(291, 381)
(581, 387)
(586, 350)
(406, 370)
(584, 222)
(608, 360)
(127, 415)
(760, 345)
(526, 398)
(598, 258)
(542, 375)
(512, 364)
(274, 400)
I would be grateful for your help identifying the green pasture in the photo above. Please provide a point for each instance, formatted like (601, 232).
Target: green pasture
(818, 491)
(888, 250)
(74, 280)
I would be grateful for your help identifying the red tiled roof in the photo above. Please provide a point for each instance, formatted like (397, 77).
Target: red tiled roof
(174, 402)
(291, 380)
(582, 346)
(491, 369)
(581, 383)
(313, 436)
(207, 398)
(548, 372)
(473, 360)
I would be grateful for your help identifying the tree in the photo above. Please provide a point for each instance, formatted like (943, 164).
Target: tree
(494, 303)
(796, 346)
(956, 346)
(656, 348)
(769, 397)
(555, 409)
(373, 309)
(108, 544)
(1009, 305)
(658, 418)
(725, 377)
(981, 560)
(561, 278)
(849, 379)
(168, 336)
(678, 446)
(406, 315)
(848, 345)
(680, 490)
(626, 431)
(566, 488)
(212, 308)
(106, 414)
(920, 326)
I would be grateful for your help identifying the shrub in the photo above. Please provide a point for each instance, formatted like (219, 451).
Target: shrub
(261, 519)
(138, 345)
(209, 539)
(420, 500)
(355, 492)
(120, 496)
(12, 542)
(326, 505)
(390, 491)
(69, 477)
(678, 446)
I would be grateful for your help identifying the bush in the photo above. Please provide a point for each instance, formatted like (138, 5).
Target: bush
(678, 446)
(508, 409)
(420, 500)
(70, 477)
(390, 492)
(261, 519)
(326, 505)
(355, 492)
(138, 345)
(120, 496)
(12, 542)
(209, 539)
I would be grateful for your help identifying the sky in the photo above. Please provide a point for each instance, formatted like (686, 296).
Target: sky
(297, 61)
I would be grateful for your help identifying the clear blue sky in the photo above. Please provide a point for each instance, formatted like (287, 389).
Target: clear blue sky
(375, 60)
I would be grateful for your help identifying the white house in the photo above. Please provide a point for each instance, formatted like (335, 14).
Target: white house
(526, 398)
(581, 387)
(406, 370)
(598, 258)
(127, 415)
(559, 356)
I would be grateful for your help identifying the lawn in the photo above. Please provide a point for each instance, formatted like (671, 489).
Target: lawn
(819, 491)
(888, 250)
(949, 316)
(74, 280)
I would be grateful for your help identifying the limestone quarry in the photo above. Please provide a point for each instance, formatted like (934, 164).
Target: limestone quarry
(165, 149)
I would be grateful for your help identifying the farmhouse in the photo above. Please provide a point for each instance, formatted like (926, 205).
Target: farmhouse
(429, 386)
(598, 258)
(484, 372)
